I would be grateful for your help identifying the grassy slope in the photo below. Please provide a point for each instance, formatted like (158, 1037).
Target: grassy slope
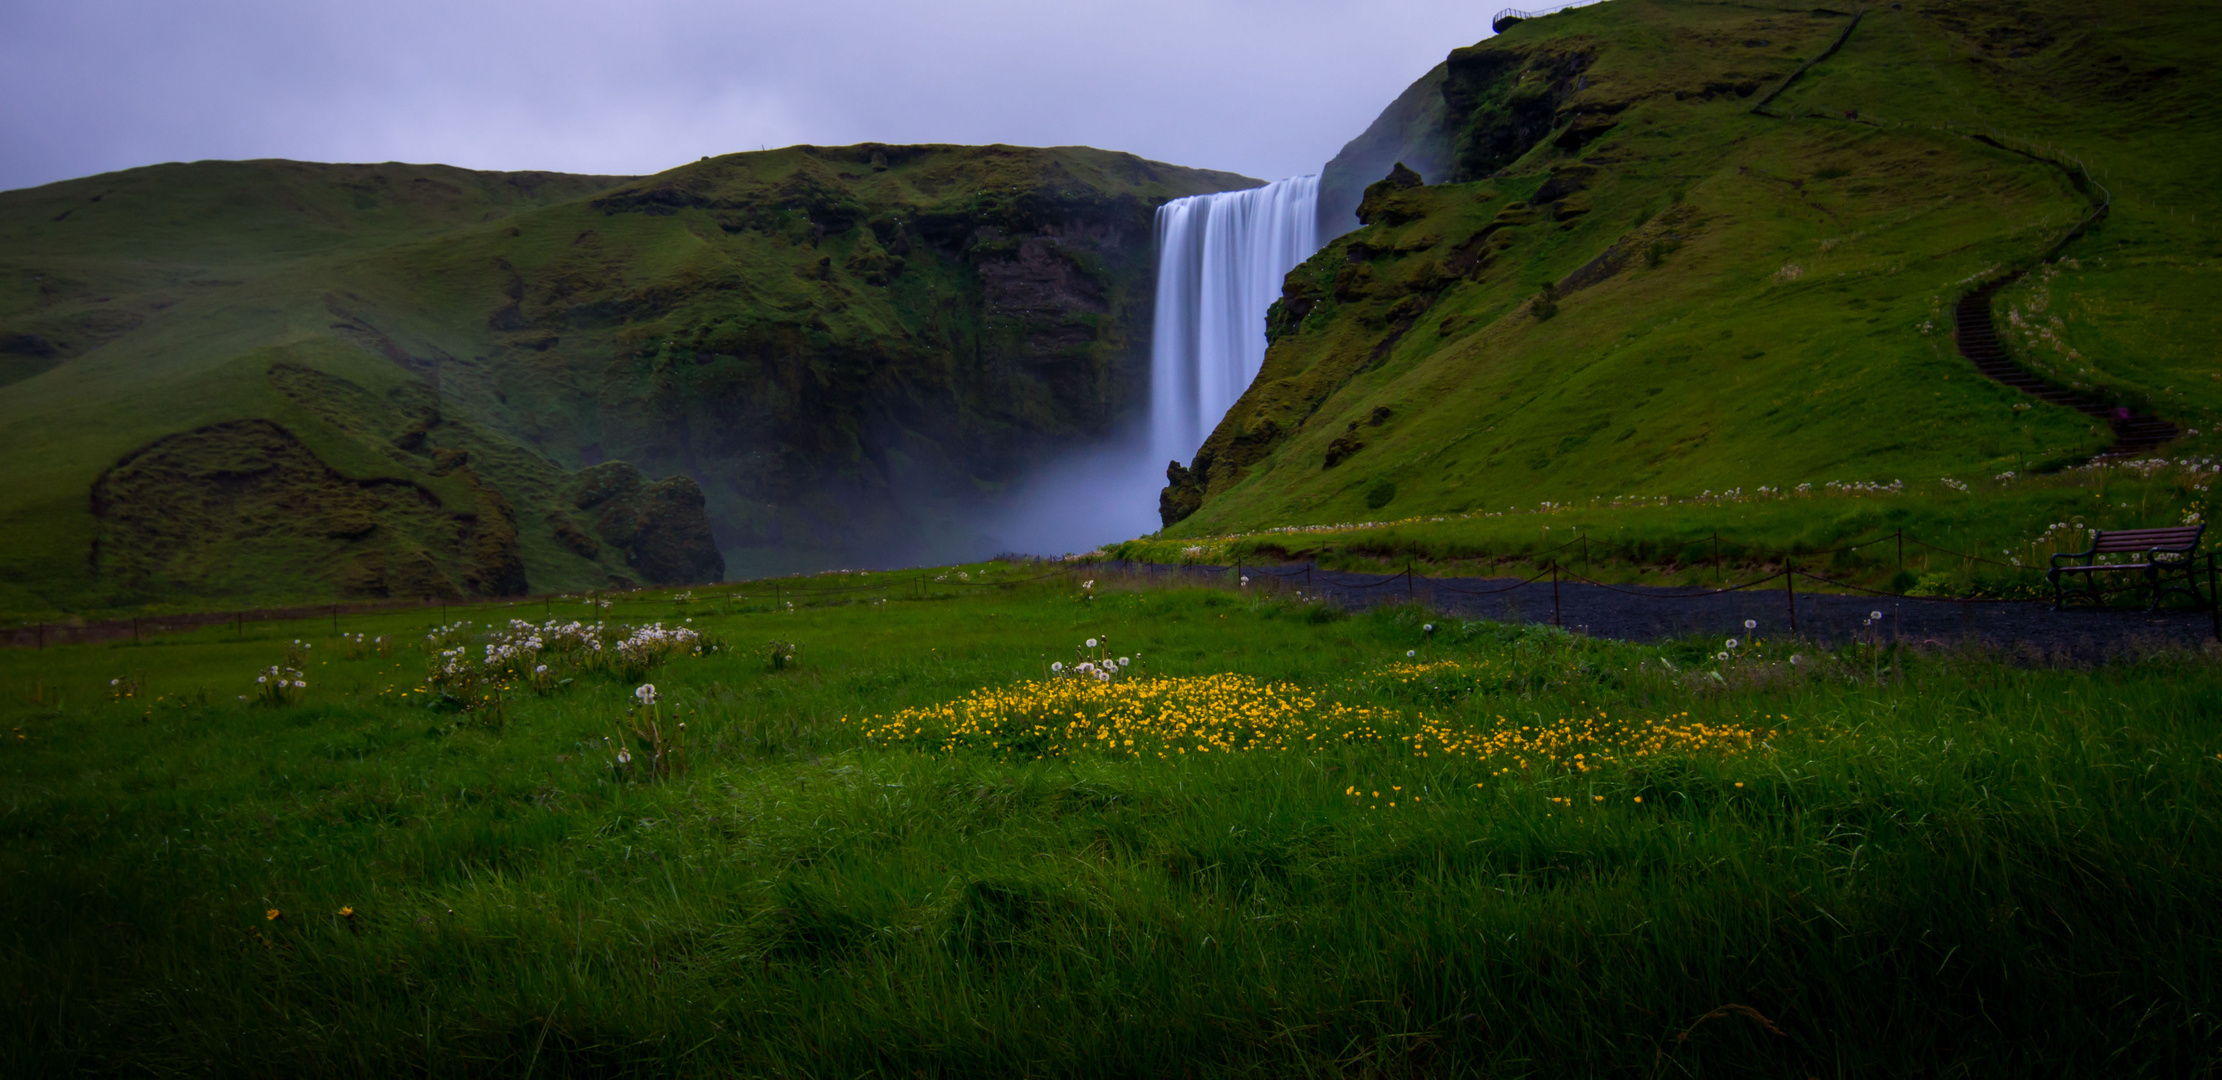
(1721, 366)
(167, 294)
(1936, 866)
(163, 296)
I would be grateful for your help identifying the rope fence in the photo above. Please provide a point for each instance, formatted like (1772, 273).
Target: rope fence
(924, 584)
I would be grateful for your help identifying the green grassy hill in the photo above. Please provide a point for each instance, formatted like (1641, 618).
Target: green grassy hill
(244, 382)
(1633, 284)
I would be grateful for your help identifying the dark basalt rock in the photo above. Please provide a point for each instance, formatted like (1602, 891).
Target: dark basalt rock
(662, 528)
(1380, 206)
(1183, 494)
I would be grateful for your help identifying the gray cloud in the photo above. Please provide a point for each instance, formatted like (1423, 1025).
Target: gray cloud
(1267, 89)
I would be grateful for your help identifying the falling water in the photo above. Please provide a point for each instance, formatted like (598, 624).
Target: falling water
(1220, 261)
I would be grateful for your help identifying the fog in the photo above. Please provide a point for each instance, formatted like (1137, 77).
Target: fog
(1079, 501)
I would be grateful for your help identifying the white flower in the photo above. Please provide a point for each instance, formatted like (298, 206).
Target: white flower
(1795, 660)
(1091, 643)
(1122, 661)
(1723, 656)
(1751, 624)
(1428, 629)
(113, 682)
(262, 678)
(1731, 643)
(1875, 615)
(1245, 579)
(540, 670)
(301, 684)
(1410, 653)
(1057, 667)
(645, 694)
(624, 757)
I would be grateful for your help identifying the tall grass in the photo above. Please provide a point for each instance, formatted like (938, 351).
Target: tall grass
(1934, 865)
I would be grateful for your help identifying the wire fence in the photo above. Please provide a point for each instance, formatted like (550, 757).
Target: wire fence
(778, 593)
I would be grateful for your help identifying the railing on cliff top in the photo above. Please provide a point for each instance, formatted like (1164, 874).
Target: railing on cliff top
(1508, 16)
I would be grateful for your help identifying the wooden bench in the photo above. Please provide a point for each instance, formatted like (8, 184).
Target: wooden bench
(2166, 561)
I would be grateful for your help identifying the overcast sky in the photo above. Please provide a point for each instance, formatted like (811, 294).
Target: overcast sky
(1269, 89)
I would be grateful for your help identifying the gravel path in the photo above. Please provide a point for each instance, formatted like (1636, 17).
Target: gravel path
(1644, 613)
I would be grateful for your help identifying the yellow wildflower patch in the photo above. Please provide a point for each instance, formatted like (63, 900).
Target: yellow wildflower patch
(1586, 743)
(1160, 717)
(1174, 716)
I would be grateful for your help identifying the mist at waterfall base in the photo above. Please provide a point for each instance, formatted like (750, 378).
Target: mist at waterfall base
(1220, 261)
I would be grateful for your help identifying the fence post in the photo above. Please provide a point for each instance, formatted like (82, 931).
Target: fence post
(1554, 593)
(1790, 589)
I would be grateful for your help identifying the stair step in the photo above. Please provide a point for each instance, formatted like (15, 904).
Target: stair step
(1979, 344)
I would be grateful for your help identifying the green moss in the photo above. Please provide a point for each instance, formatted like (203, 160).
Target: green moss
(1735, 300)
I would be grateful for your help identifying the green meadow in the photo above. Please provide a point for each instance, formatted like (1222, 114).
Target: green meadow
(1990, 536)
(1281, 840)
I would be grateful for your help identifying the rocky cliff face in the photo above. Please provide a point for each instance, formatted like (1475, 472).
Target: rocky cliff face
(858, 346)
(411, 380)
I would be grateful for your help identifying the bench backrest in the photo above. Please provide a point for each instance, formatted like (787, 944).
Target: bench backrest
(2180, 538)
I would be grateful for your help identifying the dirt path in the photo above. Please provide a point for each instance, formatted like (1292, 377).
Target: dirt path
(1643, 613)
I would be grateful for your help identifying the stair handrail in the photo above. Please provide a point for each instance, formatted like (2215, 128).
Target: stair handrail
(1508, 16)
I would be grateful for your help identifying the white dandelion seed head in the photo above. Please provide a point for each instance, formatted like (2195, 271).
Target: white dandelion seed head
(1122, 661)
(1751, 624)
(1722, 656)
(1875, 615)
(1428, 629)
(1732, 643)
(1410, 653)
(1058, 666)
(1091, 643)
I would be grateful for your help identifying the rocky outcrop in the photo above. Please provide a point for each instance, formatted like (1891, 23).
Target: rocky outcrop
(1183, 494)
(661, 527)
(246, 508)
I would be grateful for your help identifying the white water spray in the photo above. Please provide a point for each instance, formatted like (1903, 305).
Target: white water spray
(1220, 261)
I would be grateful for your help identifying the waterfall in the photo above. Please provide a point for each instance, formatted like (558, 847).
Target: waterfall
(1220, 261)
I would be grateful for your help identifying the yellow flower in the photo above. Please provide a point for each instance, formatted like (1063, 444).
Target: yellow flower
(273, 915)
(346, 912)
